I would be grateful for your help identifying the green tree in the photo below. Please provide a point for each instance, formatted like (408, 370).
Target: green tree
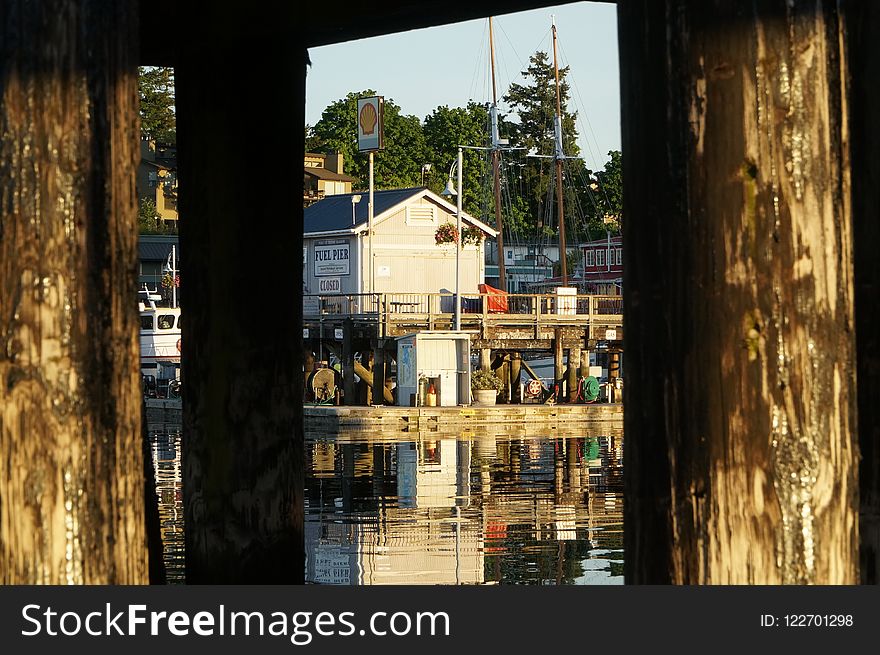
(445, 129)
(399, 165)
(156, 92)
(534, 104)
(148, 217)
(605, 196)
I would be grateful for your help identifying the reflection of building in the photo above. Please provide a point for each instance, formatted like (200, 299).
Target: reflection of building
(532, 510)
(423, 538)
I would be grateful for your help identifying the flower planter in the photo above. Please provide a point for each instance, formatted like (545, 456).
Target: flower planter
(485, 396)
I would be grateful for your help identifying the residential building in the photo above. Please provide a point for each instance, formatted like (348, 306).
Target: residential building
(154, 255)
(323, 176)
(157, 179)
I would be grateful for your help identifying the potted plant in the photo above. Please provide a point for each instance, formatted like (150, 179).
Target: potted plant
(486, 386)
(471, 234)
(446, 233)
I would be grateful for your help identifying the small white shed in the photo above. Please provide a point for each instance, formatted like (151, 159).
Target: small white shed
(438, 358)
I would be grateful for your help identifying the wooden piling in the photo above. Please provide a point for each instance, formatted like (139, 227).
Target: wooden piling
(485, 359)
(348, 362)
(558, 370)
(515, 371)
(378, 372)
(574, 365)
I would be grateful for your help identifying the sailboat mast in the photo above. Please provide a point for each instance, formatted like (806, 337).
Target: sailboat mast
(563, 258)
(496, 166)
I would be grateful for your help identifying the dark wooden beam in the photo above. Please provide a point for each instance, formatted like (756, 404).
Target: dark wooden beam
(161, 36)
(240, 113)
(741, 459)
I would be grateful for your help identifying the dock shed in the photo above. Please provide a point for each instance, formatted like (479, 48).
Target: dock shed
(440, 359)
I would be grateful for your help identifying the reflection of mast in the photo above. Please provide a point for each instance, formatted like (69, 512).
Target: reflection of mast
(560, 155)
(496, 165)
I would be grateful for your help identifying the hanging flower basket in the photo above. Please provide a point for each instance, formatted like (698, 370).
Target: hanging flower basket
(446, 233)
(471, 235)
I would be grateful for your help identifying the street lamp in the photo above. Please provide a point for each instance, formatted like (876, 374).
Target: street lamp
(425, 168)
(355, 199)
(450, 190)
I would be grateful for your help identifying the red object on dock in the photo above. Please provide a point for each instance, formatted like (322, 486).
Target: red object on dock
(496, 298)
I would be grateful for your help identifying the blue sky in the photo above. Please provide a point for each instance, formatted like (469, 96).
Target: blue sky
(449, 65)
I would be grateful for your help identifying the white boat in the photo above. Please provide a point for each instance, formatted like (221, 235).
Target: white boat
(159, 338)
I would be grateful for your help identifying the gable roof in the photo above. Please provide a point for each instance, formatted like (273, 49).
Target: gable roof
(333, 213)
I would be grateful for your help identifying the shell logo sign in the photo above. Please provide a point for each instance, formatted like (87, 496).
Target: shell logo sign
(369, 115)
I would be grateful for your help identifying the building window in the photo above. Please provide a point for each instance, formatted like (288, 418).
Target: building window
(620, 256)
(420, 215)
(600, 258)
(588, 259)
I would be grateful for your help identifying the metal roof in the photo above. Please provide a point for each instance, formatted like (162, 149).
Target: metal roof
(333, 213)
(156, 248)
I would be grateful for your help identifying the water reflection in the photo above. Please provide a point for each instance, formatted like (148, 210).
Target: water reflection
(165, 447)
(471, 509)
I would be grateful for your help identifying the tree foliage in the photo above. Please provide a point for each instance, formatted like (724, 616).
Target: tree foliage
(534, 104)
(529, 208)
(157, 111)
(398, 165)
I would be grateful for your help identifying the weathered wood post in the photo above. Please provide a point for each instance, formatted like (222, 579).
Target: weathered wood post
(348, 361)
(515, 373)
(574, 366)
(239, 99)
(741, 459)
(71, 465)
(863, 24)
(378, 372)
(558, 368)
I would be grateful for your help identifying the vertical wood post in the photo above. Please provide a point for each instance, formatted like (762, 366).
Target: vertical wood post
(515, 372)
(558, 368)
(741, 460)
(243, 439)
(379, 372)
(71, 465)
(485, 359)
(585, 362)
(574, 366)
(348, 361)
(863, 23)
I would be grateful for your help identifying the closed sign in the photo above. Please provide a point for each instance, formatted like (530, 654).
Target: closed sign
(329, 285)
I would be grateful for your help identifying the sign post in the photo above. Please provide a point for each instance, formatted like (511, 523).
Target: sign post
(370, 139)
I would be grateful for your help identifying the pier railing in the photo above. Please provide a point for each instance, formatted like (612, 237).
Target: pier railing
(398, 312)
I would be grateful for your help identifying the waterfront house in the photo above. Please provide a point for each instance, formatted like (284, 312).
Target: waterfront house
(603, 266)
(406, 258)
(323, 176)
(157, 179)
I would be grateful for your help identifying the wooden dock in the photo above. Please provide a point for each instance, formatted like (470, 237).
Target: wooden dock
(443, 419)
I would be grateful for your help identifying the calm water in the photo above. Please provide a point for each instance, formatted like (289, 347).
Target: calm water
(476, 509)
(464, 510)
(167, 469)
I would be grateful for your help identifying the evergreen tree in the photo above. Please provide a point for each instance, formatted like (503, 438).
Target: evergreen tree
(535, 106)
(156, 92)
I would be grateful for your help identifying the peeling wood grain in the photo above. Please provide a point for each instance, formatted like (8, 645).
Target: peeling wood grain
(71, 479)
(740, 297)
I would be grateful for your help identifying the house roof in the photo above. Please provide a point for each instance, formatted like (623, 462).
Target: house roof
(156, 248)
(324, 174)
(333, 213)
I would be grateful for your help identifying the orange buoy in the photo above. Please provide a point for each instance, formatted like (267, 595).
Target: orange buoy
(431, 397)
(178, 345)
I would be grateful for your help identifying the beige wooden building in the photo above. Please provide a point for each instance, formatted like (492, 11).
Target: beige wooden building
(405, 255)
